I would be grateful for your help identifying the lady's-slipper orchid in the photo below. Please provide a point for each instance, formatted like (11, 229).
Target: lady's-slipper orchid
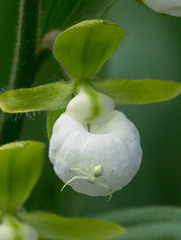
(12, 230)
(94, 154)
(171, 7)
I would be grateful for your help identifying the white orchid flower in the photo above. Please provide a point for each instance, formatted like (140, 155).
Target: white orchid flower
(94, 155)
(171, 7)
(11, 229)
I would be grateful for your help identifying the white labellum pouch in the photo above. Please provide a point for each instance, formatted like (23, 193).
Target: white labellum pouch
(96, 159)
(171, 7)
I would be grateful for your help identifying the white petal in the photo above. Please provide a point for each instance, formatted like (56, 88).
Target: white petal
(171, 7)
(114, 144)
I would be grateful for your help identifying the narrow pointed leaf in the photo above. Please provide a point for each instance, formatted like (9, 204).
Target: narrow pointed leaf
(46, 97)
(61, 13)
(84, 48)
(20, 168)
(49, 225)
(150, 223)
(128, 91)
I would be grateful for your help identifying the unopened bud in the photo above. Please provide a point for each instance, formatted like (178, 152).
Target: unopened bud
(11, 229)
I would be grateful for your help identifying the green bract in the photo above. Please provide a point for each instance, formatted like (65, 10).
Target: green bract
(84, 48)
(20, 167)
(49, 225)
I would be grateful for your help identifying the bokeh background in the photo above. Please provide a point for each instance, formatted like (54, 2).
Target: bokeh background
(150, 50)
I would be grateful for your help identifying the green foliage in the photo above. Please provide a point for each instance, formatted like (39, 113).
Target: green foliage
(140, 1)
(20, 167)
(23, 69)
(60, 14)
(52, 117)
(84, 48)
(82, 55)
(149, 223)
(46, 97)
(49, 225)
(128, 91)
(36, 18)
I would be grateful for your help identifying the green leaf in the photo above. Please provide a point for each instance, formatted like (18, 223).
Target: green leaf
(128, 91)
(49, 225)
(149, 223)
(46, 97)
(84, 48)
(61, 13)
(52, 117)
(20, 168)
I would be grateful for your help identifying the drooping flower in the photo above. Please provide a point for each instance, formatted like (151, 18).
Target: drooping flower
(94, 148)
(171, 7)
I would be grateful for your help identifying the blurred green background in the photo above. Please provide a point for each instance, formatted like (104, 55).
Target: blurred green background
(152, 50)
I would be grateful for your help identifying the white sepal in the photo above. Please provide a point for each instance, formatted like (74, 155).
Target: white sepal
(171, 7)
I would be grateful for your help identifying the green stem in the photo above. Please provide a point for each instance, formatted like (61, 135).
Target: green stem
(22, 74)
(23, 66)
